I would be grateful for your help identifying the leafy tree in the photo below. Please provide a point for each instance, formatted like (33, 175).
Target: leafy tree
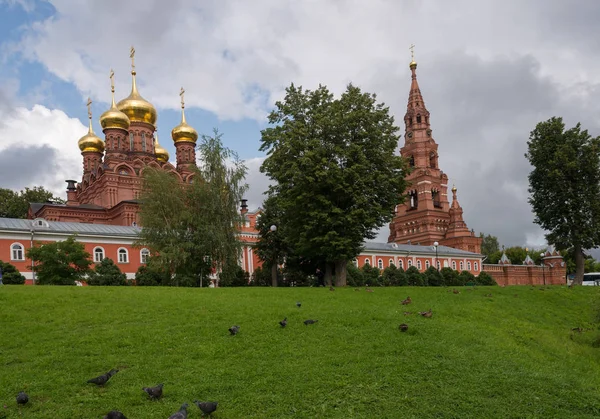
(433, 277)
(450, 277)
(271, 247)
(485, 279)
(516, 254)
(16, 205)
(393, 276)
(355, 276)
(107, 273)
(414, 277)
(466, 277)
(234, 276)
(60, 263)
(337, 178)
(371, 275)
(193, 228)
(11, 275)
(261, 277)
(152, 274)
(489, 244)
(565, 187)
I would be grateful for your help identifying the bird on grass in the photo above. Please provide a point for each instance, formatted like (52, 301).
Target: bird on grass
(102, 379)
(283, 323)
(368, 290)
(488, 295)
(206, 407)
(407, 313)
(310, 321)
(181, 413)
(298, 304)
(115, 414)
(154, 392)
(427, 314)
(22, 398)
(403, 327)
(331, 288)
(407, 301)
(234, 330)
(455, 291)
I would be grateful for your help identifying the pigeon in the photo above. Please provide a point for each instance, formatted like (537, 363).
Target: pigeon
(298, 304)
(407, 301)
(115, 414)
(101, 380)
(206, 407)
(309, 321)
(154, 392)
(427, 314)
(403, 327)
(22, 398)
(181, 413)
(283, 323)
(234, 330)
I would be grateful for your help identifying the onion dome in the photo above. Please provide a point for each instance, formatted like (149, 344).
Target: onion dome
(114, 118)
(90, 142)
(183, 132)
(161, 154)
(135, 106)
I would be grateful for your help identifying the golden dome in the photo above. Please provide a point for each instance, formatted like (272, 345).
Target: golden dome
(162, 155)
(114, 118)
(136, 107)
(91, 142)
(183, 132)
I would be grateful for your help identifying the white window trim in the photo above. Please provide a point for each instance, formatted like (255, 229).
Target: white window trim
(469, 266)
(12, 254)
(476, 266)
(419, 265)
(142, 255)
(427, 264)
(119, 255)
(410, 263)
(462, 266)
(392, 262)
(379, 263)
(367, 261)
(401, 263)
(103, 254)
(454, 265)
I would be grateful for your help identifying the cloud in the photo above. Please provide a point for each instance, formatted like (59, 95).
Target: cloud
(258, 183)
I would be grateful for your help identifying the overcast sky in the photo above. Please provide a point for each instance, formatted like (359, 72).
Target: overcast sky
(488, 70)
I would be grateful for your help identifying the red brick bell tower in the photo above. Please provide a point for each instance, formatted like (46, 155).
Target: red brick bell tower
(426, 215)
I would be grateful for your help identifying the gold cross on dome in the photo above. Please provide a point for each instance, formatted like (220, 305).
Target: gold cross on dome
(181, 93)
(132, 56)
(412, 52)
(112, 79)
(89, 106)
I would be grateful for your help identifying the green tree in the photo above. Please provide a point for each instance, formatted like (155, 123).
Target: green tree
(489, 244)
(271, 247)
(565, 187)
(516, 254)
(193, 228)
(414, 277)
(450, 277)
(466, 277)
(355, 275)
(152, 275)
(11, 275)
(433, 277)
(371, 275)
(485, 279)
(16, 205)
(61, 262)
(393, 276)
(107, 273)
(337, 177)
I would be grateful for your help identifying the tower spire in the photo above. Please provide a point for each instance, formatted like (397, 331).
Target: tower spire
(181, 93)
(134, 90)
(112, 87)
(89, 106)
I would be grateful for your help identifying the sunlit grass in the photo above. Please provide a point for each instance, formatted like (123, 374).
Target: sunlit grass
(512, 355)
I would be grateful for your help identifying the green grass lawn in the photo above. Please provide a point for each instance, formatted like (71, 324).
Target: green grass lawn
(513, 355)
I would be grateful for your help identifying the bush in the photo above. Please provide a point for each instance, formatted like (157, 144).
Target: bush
(60, 263)
(354, 276)
(261, 277)
(371, 275)
(414, 277)
(151, 276)
(11, 275)
(466, 277)
(393, 276)
(485, 278)
(451, 278)
(107, 273)
(238, 277)
(433, 277)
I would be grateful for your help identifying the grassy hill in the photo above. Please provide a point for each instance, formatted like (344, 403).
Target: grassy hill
(511, 355)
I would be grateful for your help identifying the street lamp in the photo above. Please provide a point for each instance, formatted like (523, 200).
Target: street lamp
(273, 229)
(543, 271)
(437, 266)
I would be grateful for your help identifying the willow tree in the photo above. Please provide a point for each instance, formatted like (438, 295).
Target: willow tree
(336, 174)
(565, 187)
(193, 227)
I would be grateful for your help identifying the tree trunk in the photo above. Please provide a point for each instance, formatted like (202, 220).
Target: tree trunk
(274, 275)
(579, 264)
(340, 272)
(328, 274)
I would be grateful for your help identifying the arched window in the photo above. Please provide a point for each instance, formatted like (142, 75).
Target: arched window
(367, 261)
(380, 263)
(98, 254)
(131, 141)
(410, 263)
(435, 196)
(143, 141)
(17, 251)
(468, 266)
(445, 264)
(355, 261)
(454, 264)
(411, 161)
(413, 200)
(418, 119)
(419, 265)
(401, 264)
(476, 267)
(462, 266)
(426, 264)
(119, 143)
(123, 255)
(392, 262)
(432, 160)
(144, 255)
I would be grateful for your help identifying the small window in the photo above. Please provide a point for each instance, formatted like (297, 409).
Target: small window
(468, 266)
(380, 263)
(401, 264)
(143, 141)
(426, 264)
(123, 256)
(98, 254)
(462, 266)
(17, 251)
(144, 255)
(367, 261)
(419, 265)
(392, 262)
(418, 119)
(454, 265)
(131, 141)
(410, 263)
(476, 267)
(445, 264)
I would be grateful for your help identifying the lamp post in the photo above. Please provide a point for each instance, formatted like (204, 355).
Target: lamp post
(543, 271)
(273, 229)
(436, 244)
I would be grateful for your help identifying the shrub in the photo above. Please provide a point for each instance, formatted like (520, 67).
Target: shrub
(261, 277)
(433, 277)
(151, 276)
(354, 276)
(450, 276)
(371, 275)
(61, 262)
(466, 277)
(236, 278)
(414, 277)
(485, 278)
(107, 273)
(11, 275)
(393, 276)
